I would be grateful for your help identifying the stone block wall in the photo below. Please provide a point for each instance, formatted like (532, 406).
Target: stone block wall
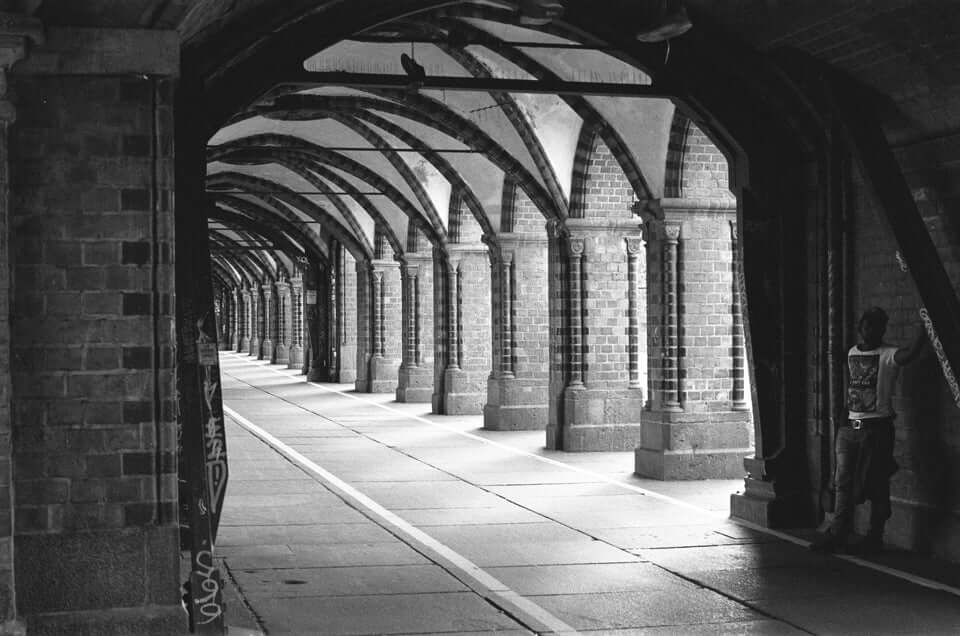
(93, 398)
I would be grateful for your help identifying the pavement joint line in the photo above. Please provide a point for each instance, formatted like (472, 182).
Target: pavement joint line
(473, 576)
(900, 574)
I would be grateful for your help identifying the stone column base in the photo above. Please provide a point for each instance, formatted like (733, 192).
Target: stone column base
(244, 345)
(266, 350)
(254, 347)
(295, 357)
(415, 384)
(766, 502)
(692, 445)
(156, 620)
(689, 464)
(281, 354)
(601, 419)
(460, 395)
(347, 376)
(516, 404)
(383, 375)
(110, 582)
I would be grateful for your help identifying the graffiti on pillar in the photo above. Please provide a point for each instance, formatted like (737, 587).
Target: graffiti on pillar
(207, 595)
(948, 373)
(214, 434)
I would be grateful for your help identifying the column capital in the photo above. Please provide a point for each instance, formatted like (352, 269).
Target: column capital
(577, 245)
(671, 230)
(634, 245)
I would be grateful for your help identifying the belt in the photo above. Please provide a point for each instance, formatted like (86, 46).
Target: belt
(867, 422)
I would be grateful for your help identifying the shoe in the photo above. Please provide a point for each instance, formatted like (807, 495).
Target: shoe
(827, 543)
(868, 545)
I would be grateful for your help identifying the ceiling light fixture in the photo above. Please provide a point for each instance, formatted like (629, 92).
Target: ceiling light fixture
(540, 12)
(671, 20)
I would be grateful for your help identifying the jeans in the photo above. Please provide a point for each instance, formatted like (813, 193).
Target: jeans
(864, 466)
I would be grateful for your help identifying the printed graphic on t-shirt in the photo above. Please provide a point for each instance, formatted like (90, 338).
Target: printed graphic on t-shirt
(862, 394)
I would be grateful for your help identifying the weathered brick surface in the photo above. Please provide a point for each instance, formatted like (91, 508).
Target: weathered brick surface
(461, 388)
(85, 315)
(928, 424)
(379, 304)
(598, 409)
(349, 293)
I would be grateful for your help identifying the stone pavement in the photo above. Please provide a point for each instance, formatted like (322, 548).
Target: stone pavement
(353, 514)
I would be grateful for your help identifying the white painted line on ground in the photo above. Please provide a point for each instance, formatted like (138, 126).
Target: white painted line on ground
(906, 576)
(472, 575)
(517, 451)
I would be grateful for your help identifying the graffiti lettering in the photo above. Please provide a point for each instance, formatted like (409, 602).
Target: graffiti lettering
(948, 374)
(207, 596)
(941, 356)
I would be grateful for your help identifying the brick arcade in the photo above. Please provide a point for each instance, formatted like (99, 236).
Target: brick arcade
(672, 270)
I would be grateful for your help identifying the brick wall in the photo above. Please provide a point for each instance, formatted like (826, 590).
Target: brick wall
(704, 174)
(926, 503)
(604, 412)
(93, 425)
(464, 391)
(706, 321)
(601, 190)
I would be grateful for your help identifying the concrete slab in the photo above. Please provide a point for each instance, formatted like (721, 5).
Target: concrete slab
(590, 579)
(338, 533)
(346, 581)
(737, 557)
(393, 614)
(438, 495)
(649, 608)
(558, 552)
(309, 556)
(505, 513)
(913, 611)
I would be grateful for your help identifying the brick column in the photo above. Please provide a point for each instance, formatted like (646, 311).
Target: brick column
(601, 400)
(695, 429)
(296, 323)
(347, 317)
(385, 327)
(463, 338)
(738, 349)
(517, 386)
(245, 329)
(269, 330)
(318, 334)
(92, 329)
(415, 379)
(16, 38)
(281, 352)
(237, 319)
(256, 320)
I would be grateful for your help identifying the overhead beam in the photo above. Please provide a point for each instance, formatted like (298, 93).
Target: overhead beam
(474, 84)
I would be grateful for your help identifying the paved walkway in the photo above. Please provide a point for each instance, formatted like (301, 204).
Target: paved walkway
(353, 514)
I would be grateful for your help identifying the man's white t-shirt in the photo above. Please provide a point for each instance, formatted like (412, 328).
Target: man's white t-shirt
(872, 377)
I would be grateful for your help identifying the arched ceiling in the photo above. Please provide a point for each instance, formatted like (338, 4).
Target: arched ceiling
(362, 160)
(343, 163)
